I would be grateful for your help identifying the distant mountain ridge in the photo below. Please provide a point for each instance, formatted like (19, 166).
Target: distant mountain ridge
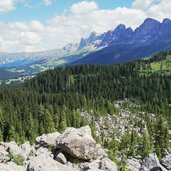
(115, 46)
(123, 44)
(145, 33)
(9, 58)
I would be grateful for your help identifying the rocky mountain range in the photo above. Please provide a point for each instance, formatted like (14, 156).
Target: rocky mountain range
(115, 46)
(123, 44)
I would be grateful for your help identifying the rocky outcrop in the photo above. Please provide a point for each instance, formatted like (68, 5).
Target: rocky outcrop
(152, 163)
(27, 148)
(11, 167)
(61, 158)
(133, 164)
(73, 150)
(166, 161)
(48, 139)
(107, 165)
(43, 163)
(78, 143)
(13, 148)
(3, 155)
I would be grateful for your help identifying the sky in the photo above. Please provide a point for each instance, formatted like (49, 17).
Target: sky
(38, 25)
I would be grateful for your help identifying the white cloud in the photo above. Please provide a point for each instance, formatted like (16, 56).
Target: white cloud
(78, 21)
(48, 2)
(7, 5)
(139, 4)
(83, 7)
(157, 9)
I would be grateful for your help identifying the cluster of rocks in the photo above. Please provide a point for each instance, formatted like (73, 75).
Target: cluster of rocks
(119, 124)
(73, 150)
(150, 163)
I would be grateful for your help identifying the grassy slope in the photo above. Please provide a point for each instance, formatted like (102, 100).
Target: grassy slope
(162, 67)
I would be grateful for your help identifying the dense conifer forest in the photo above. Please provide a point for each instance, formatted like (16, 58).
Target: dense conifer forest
(52, 101)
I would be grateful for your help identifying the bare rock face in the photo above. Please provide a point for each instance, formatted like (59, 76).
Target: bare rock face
(78, 143)
(108, 165)
(27, 148)
(61, 158)
(11, 167)
(133, 164)
(166, 161)
(42, 163)
(48, 139)
(152, 163)
(92, 166)
(3, 155)
(99, 165)
(43, 152)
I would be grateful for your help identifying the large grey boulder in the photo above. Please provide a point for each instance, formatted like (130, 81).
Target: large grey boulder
(107, 165)
(48, 139)
(11, 167)
(151, 163)
(43, 163)
(133, 164)
(166, 161)
(78, 143)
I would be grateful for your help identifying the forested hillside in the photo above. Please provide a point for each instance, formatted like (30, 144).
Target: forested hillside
(54, 99)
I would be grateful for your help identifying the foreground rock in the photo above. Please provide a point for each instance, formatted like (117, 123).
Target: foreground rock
(166, 161)
(74, 150)
(133, 164)
(3, 155)
(43, 163)
(48, 139)
(14, 149)
(108, 165)
(11, 167)
(61, 158)
(78, 143)
(152, 163)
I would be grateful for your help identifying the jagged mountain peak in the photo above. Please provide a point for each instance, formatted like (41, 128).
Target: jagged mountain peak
(166, 21)
(93, 33)
(120, 27)
(148, 25)
(150, 20)
(85, 41)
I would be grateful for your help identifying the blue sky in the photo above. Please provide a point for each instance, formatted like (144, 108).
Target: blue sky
(36, 10)
(38, 25)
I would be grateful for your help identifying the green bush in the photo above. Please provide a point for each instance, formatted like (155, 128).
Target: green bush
(16, 158)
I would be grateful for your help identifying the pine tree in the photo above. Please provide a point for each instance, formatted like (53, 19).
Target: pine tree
(11, 134)
(62, 121)
(146, 145)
